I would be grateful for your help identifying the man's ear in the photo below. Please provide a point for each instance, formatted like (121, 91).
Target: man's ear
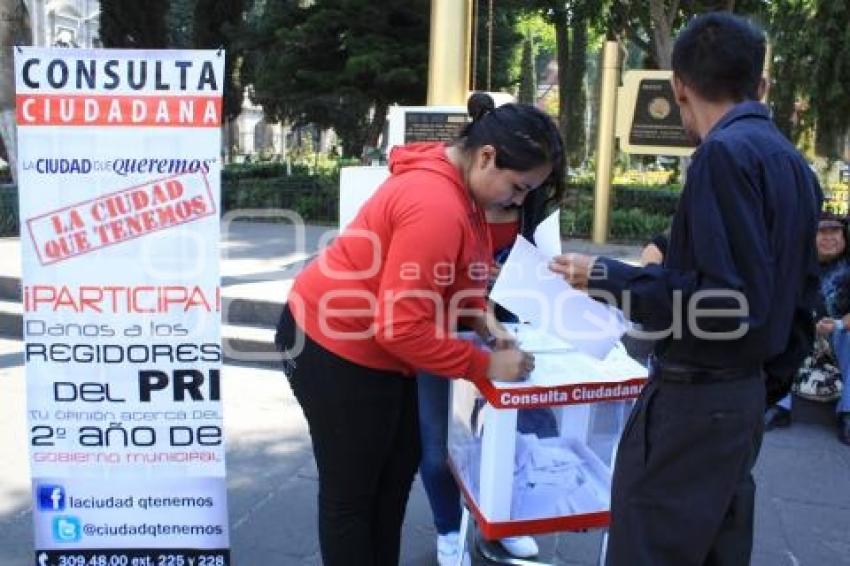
(679, 90)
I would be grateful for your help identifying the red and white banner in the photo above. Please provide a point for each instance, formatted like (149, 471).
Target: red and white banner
(119, 199)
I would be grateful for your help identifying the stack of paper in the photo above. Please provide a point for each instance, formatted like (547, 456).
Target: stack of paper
(548, 303)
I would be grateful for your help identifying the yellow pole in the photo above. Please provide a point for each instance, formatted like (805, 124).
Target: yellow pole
(449, 55)
(605, 144)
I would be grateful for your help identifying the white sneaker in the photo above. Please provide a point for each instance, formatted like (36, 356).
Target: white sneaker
(448, 547)
(520, 547)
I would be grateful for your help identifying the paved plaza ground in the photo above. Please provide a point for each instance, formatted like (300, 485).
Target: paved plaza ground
(803, 505)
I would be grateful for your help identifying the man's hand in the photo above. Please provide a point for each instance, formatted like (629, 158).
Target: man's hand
(824, 327)
(575, 268)
(651, 254)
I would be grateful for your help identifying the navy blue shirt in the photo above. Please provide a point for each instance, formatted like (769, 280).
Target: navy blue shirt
(746, 223)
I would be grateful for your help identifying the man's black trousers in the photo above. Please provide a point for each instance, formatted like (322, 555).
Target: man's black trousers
(683, 493)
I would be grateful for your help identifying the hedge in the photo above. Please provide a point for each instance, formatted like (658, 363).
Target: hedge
(8, 210)
(632, 225)
(315, 198)
(638, 212)
(659, 199)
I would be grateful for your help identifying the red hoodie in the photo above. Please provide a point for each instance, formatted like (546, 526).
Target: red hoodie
(385, 292)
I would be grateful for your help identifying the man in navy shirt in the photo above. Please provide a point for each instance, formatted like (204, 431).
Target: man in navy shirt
(739, 271)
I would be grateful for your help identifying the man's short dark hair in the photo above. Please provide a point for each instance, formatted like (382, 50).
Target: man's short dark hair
(721, 57)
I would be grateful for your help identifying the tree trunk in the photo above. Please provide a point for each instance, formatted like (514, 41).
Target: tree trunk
(576, 96)
(376, 126)
(8, 133)
(562, 44)
(14, 30)
(783, 98)
(662, 30)
(528, 75)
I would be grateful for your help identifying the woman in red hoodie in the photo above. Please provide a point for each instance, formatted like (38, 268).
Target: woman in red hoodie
(380, 303)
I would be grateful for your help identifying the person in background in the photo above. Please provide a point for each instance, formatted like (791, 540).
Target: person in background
(832, 320)
(738, 269)
(381, 302)
(505, 223)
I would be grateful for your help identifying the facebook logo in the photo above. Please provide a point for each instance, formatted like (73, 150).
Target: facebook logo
(51, 497)
(66, 529)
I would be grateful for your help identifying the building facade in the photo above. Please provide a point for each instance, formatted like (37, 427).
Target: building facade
(65, 23)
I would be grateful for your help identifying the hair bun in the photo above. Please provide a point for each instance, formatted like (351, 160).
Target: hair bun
(479, 104)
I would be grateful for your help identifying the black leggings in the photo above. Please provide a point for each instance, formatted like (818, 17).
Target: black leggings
(365, 432)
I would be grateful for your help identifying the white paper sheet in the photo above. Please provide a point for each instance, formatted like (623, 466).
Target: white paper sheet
(552, 370)
(536, 341)
(618, 365)
(547, 236)
(527, 288)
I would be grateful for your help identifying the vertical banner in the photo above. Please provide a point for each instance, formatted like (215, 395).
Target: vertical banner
(119, 174)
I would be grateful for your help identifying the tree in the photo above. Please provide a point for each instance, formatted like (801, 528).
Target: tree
(528, 75)
(574, 84)
(497, 41)
(570, 20)
(652, 25)
(14, 30)
(338, 63)
(180, 23)
(217, 23)
(133, 24)
(793, 61)
(830, 92)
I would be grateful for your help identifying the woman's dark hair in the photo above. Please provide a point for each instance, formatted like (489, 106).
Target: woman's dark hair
(524, 137)
(720, 56)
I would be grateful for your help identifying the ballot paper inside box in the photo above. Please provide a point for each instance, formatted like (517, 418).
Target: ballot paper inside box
(536, 457)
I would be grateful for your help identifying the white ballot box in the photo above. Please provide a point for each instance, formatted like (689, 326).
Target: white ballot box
(536, 456)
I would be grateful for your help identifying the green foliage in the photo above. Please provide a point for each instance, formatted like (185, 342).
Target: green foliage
(216, 24)
(576, 223)
(634, 22)
(235, 172)
(639, 211)
(570, 25)
(661, 200)
(502, 63)
(314, 197)
(830, 90)
(792, 64)
(636, 224)
(329, 63)
(574, 90)
(527, 79)
(134, 24)
(8, 211)
(180, 19)
(532, 24)
(626, 225)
